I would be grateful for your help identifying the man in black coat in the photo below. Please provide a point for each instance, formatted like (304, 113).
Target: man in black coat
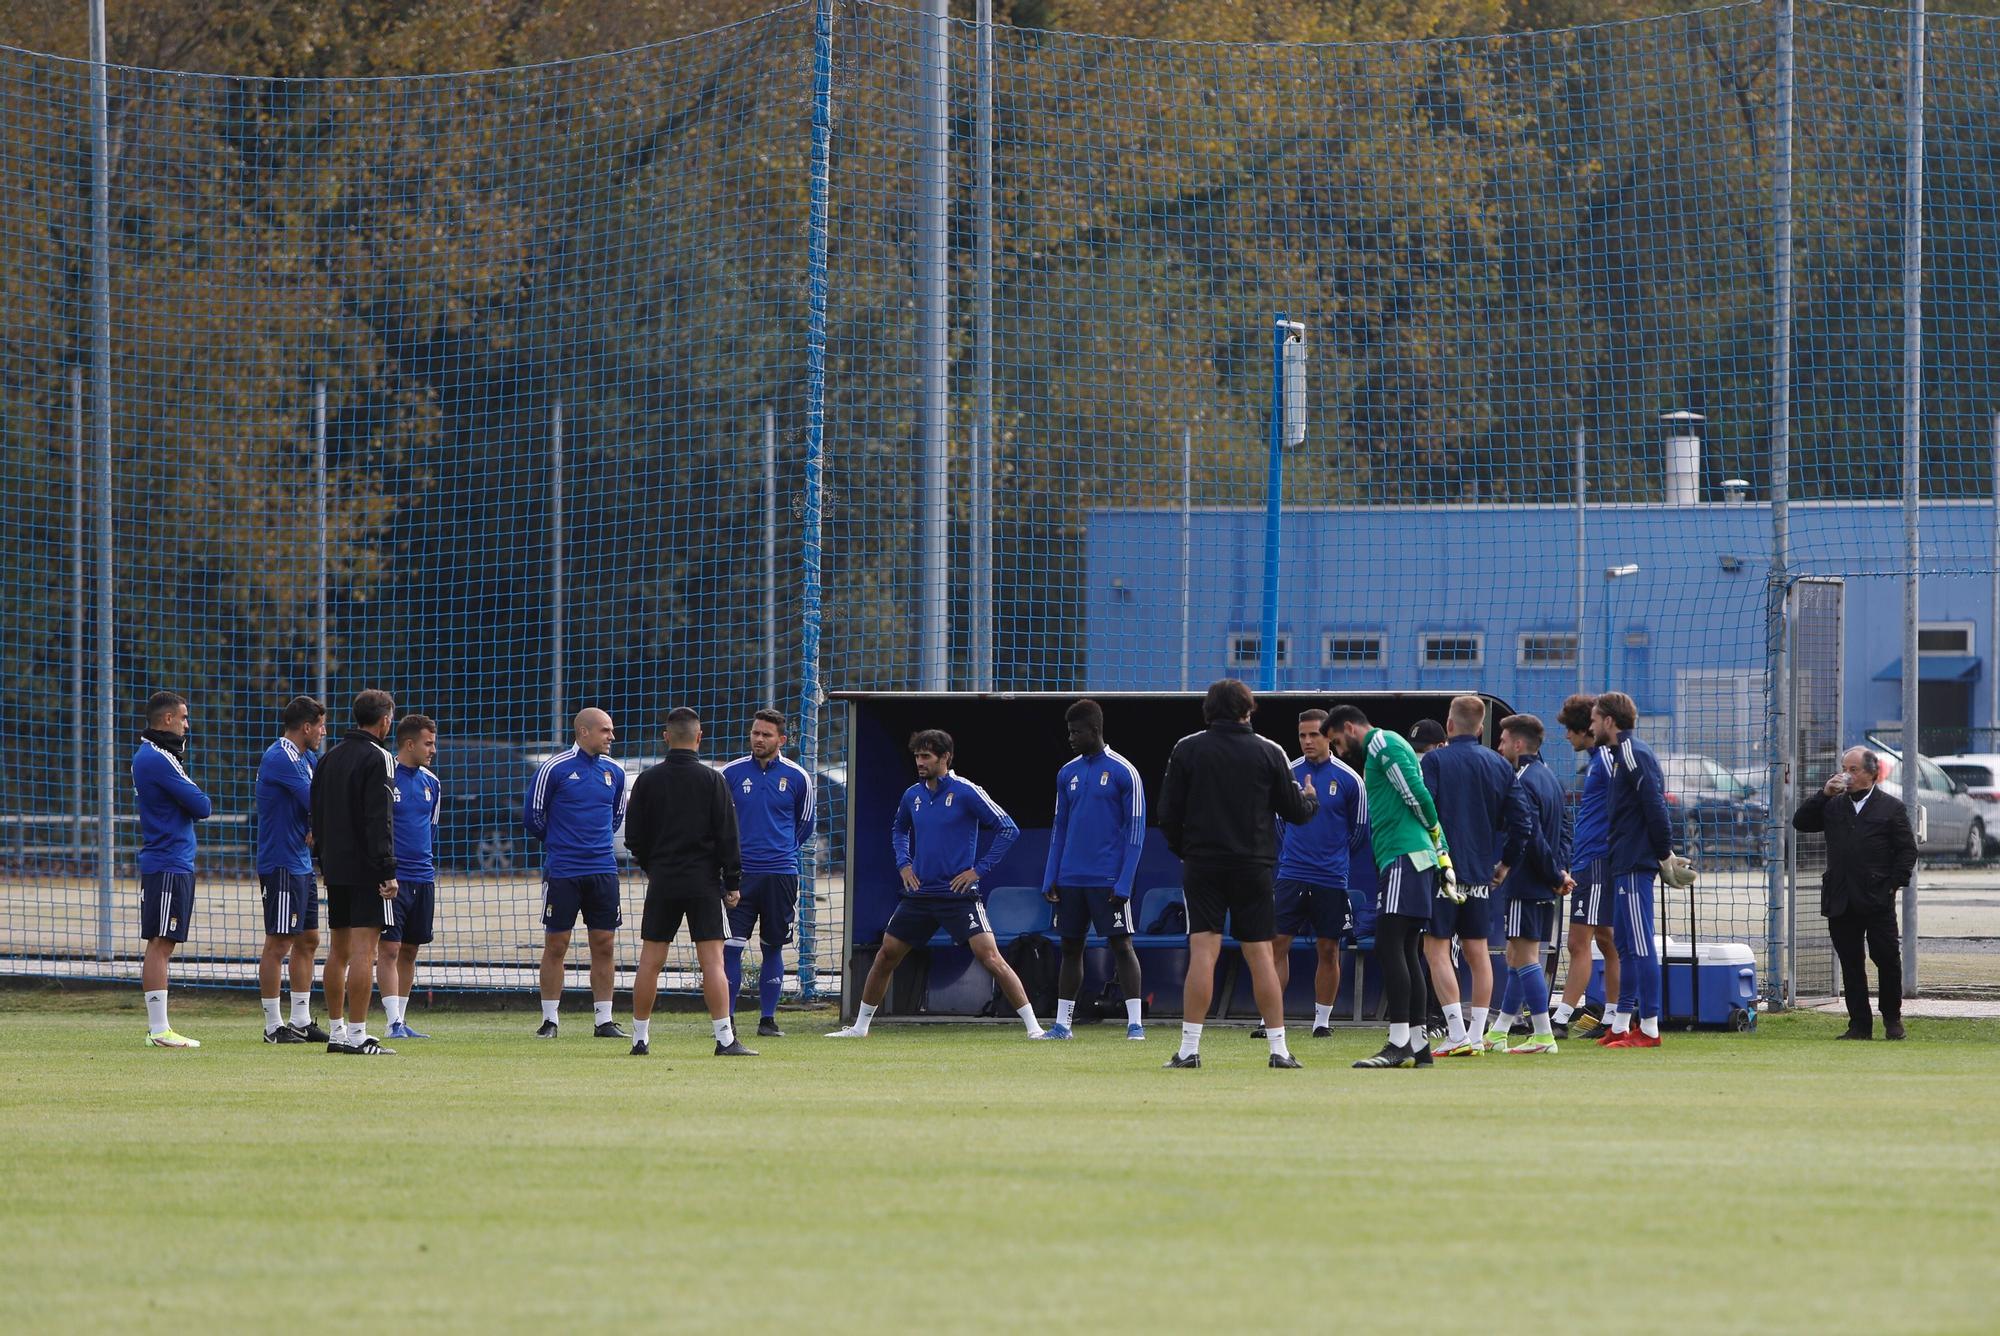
(1870, 853)
(1223, 787)
(354, 841)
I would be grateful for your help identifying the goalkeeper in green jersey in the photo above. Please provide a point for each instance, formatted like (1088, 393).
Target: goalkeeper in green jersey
(1411, 859)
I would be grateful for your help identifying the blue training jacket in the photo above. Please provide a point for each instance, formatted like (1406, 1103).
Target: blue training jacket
(1537, 849)
(1641, 832)
(1591, 839)
(774, 811)
(936, 833)
(1322, 851)
(1469, 781)
(574, 805)
(284, 808)
(417, 799)
(169, 805)
(1100, 825)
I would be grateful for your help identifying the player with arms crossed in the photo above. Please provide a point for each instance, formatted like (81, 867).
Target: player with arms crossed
(169, 805)
(285, 870)
(1530, 877)
(1469, 783)
(936, 838)
(1094, 847)
(1641, 839)
(1314, 863)
(574, 806)
(774, 818)
(1410, 855)
(418, 799)
(1589, 880)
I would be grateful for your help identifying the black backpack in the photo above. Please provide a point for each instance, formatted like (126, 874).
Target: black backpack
(1038, 963)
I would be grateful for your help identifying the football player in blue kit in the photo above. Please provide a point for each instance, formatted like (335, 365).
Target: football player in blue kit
(1314, 861)
(418, 799)
(1094, 847)
(774, 817)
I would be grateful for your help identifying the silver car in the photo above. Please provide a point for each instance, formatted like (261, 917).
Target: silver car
(1950, 823)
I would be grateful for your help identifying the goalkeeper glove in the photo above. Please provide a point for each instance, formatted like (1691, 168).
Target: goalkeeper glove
(1447, 879)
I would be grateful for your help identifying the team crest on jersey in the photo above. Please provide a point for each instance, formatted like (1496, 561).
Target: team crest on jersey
(947, 800)
(1103, 778)
(427, 793)
(607, 779)
(781, 783)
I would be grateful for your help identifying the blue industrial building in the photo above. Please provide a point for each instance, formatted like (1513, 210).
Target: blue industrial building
(1485, 597)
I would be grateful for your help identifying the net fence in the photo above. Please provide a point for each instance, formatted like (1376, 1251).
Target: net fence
(508, 372)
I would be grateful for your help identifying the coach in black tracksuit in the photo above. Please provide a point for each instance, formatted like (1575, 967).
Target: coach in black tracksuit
(1223, 787)
(680, 826)
(1870, 854)
(354, 841)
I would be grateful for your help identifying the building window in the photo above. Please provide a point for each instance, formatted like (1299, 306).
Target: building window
(1352, 651)
(1246, 650)
(1944, 638)
(1546, 649)
(1452, 649)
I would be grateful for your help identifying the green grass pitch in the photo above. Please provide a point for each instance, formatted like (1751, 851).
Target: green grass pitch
(961, 1178)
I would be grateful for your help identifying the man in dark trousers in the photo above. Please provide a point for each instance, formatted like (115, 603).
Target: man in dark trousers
(1870, 854)
(354, 839)
(1222, 786)
(681, 827)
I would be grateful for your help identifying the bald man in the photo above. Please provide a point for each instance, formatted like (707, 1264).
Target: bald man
(574, 806)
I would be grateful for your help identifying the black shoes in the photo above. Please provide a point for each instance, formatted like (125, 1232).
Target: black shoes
(767, 1028)
(371, 1047)
(1285, 1060)
(1858, 1032)
(1420, 1055)
(1892, 1029)
(1258, 1033)
(734, 1049)
(1392, 1055)
(639, 1049)
(1187, 1063)
(1562, 1029)
(610, 1030)
(284, 1034)
(1322, 1032)
(312, 1033)
(547, 1031)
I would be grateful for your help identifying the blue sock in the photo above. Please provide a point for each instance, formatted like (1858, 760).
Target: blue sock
(1510, 997)
(771, 981)
(732, 970)
(1534, 989)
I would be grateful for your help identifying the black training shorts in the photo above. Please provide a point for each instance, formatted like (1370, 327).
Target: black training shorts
(1236, 899)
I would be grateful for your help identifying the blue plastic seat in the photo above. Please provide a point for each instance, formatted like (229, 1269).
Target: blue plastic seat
(1015, 911)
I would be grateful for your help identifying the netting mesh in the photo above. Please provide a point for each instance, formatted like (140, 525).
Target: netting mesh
(549, 308)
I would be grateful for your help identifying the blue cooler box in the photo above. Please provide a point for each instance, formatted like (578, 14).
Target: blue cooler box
(1727, 995)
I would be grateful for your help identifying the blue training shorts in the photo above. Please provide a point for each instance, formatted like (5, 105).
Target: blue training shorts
(1078, 911)
(416, 911)
(1532, 920)
(1592, 902)
(291, 903)
(1324, 908)
(1405, 889)
(1469, 922)
(166, 905)
(769, 901)
(917, 917)
(595, 896)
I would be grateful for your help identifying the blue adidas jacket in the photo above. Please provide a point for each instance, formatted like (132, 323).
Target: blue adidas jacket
(1322, 851)
(1537, 849)
(417, 800)
(284, 809)
(1591, 838)
(936, 833)
(1469, 782)
(1641, 832)
(1100, 825)
(774, 811)
(574, 806)
(169, 805)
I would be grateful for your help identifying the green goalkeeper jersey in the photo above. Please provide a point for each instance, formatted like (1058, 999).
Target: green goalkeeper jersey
(1401, 815)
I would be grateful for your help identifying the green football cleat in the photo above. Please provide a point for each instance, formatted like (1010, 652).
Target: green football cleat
(168, 1039)
(1497, 1041)
(1538, 1044)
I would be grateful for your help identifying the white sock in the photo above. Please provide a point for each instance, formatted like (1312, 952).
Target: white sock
(1322, 1016)
(302, 1008)
(600, 1012)
(1610, 1012)
(642, 1030)
(1190, 1039)
(341, 1029)
(1399, 1035)
(392, 1009)
(271, 1018)
(1620, 1023)
(1065, 1010)
(549, 1009)
(863, 1016)
(156, 1011)
(1275, 1036)
(1649, 1026)
(725, 1028)
(1132, 1011)
(1454, 1019)
(357, 1031)
(1027, 1015)
(1478, 1025)
(1503, 1021)
(1540, 1020)
(1563, 1012)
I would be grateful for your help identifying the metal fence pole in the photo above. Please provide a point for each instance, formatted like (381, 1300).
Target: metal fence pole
(556, 612)
(1993, 615)
(770, 558)
(983, 444)
(1780, 740)
(1187, 555)
(78, 711)
(1582, 577)
(934, 347)
(322, 566)
(100, 404)
(1913, 430)
(817, 197)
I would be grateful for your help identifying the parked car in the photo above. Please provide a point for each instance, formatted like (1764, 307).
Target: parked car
(484, 781)
(1951, 824)
(1979, 774)
(1714, 812)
